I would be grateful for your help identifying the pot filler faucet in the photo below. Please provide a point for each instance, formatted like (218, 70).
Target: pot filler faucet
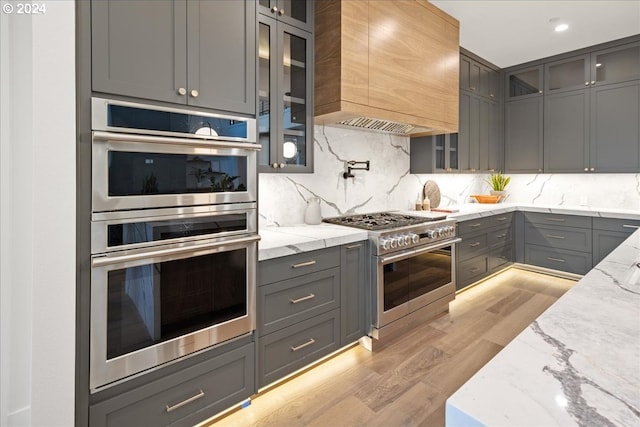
(350, 166)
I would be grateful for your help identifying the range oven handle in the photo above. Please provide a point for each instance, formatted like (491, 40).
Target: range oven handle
(413, 252)
(99, 261)
(133, 137)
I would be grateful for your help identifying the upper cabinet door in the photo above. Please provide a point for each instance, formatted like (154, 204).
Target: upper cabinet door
(139, 49)
(524, 83)
(198, 53)
(567, 74)
(222, 55)
(298, 13)
(616, 65)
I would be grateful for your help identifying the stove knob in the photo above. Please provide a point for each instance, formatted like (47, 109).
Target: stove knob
(430, 234)
(440, 232)
(399, 240)
(415, 238)
(452, 230)
(385, 243)
(393, 243)
(407, 239)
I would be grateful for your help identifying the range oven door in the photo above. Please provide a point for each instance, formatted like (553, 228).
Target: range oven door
(412, 279)
(131, 171)
(153, 305)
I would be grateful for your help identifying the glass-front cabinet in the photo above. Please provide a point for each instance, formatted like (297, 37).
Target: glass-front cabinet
(524, 83)
(293, 12)
(285, 104)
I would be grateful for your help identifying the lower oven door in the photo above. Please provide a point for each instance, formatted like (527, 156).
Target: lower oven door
(412, 279)
(151, 306)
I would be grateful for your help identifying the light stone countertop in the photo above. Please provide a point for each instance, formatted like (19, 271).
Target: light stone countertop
(287, 240)
(577, 364)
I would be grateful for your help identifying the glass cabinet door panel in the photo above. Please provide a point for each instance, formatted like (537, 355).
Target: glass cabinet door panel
(439, 151)
(294, 99)
(568, 74)
(525, 82)
(617, 64)
(453, 151)
(296, 9)
(265, 100)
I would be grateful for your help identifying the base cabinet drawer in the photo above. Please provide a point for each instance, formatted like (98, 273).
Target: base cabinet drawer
(575, 239)
(287, 267)
(498, 258)
(184, 398)
(469, 271)
(292, 348)
(472, 245)
(288, 302)
(558, 259)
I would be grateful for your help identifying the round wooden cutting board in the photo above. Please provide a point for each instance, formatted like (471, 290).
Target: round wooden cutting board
(432, 191)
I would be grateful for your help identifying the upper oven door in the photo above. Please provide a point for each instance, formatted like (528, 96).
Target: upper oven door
(131, 171)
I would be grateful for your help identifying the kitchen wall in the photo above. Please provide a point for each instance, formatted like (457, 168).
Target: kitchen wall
(37, 216)
(388, 185)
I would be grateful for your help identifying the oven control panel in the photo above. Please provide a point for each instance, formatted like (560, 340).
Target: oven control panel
(394, 240)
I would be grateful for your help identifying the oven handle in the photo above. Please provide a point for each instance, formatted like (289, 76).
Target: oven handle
(131, 137)
(99, 261)
(413, 252)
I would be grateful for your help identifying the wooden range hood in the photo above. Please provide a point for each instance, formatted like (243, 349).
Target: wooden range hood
(389, 65)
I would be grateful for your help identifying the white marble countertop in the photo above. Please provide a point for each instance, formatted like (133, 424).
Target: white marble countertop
(577, 364)
(287, 240)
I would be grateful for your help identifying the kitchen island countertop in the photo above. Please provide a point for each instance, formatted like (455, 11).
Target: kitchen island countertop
(577, 364)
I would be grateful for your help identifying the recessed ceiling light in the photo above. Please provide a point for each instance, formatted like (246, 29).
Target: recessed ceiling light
(561, 27)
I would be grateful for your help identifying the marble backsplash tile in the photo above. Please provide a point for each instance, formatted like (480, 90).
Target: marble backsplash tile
(389, 185)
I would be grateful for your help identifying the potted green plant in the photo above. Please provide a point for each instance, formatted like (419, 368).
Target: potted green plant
(498, 182)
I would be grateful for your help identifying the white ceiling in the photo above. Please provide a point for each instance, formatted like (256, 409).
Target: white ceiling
(511, 32)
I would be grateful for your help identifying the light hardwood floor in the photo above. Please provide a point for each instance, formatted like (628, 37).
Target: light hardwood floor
(408, 381)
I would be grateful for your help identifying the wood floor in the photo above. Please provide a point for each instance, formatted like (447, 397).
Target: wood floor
(408, 381)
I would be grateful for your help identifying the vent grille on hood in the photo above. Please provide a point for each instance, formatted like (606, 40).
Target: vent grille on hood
(379, 125)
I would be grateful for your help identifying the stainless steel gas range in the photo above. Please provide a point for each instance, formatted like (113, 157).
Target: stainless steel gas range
(412, 268)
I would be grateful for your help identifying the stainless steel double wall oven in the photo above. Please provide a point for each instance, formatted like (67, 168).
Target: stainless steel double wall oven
(173, 235)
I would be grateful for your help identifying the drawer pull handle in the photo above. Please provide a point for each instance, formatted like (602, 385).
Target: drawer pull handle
(473, 245)
(555, 259)
(354, 246)
(477, 224)
(500, 236)
(555, 236)
(630, 226)
(303, 264)
(474, 269)
(185, 402)
(556, 219)
(504, 218)
(301, 346)
(308, 297)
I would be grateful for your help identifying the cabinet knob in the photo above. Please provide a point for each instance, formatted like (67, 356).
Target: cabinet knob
(281, 165)
(281, 12)
(182, 91)
(274, 9)
(194, 93)
(491, 95)
(274, 165)
(593, 82)
(586, 169)
(592, 169)
(586, 83)
(539, 91)
(539, 170)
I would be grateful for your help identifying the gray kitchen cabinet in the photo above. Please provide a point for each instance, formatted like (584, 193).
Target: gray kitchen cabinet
(298, 13)
(285, 97)
(524, 83)
(353, 281)
(616, 64)
(615, 128)
(523, 135)
(477, 78)
(434, 154)
(558, 242)
(309, 305)
(183, 398)
(486, 247)
(566, 131)
(567, 74)
(608, 233)
(199, 53)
